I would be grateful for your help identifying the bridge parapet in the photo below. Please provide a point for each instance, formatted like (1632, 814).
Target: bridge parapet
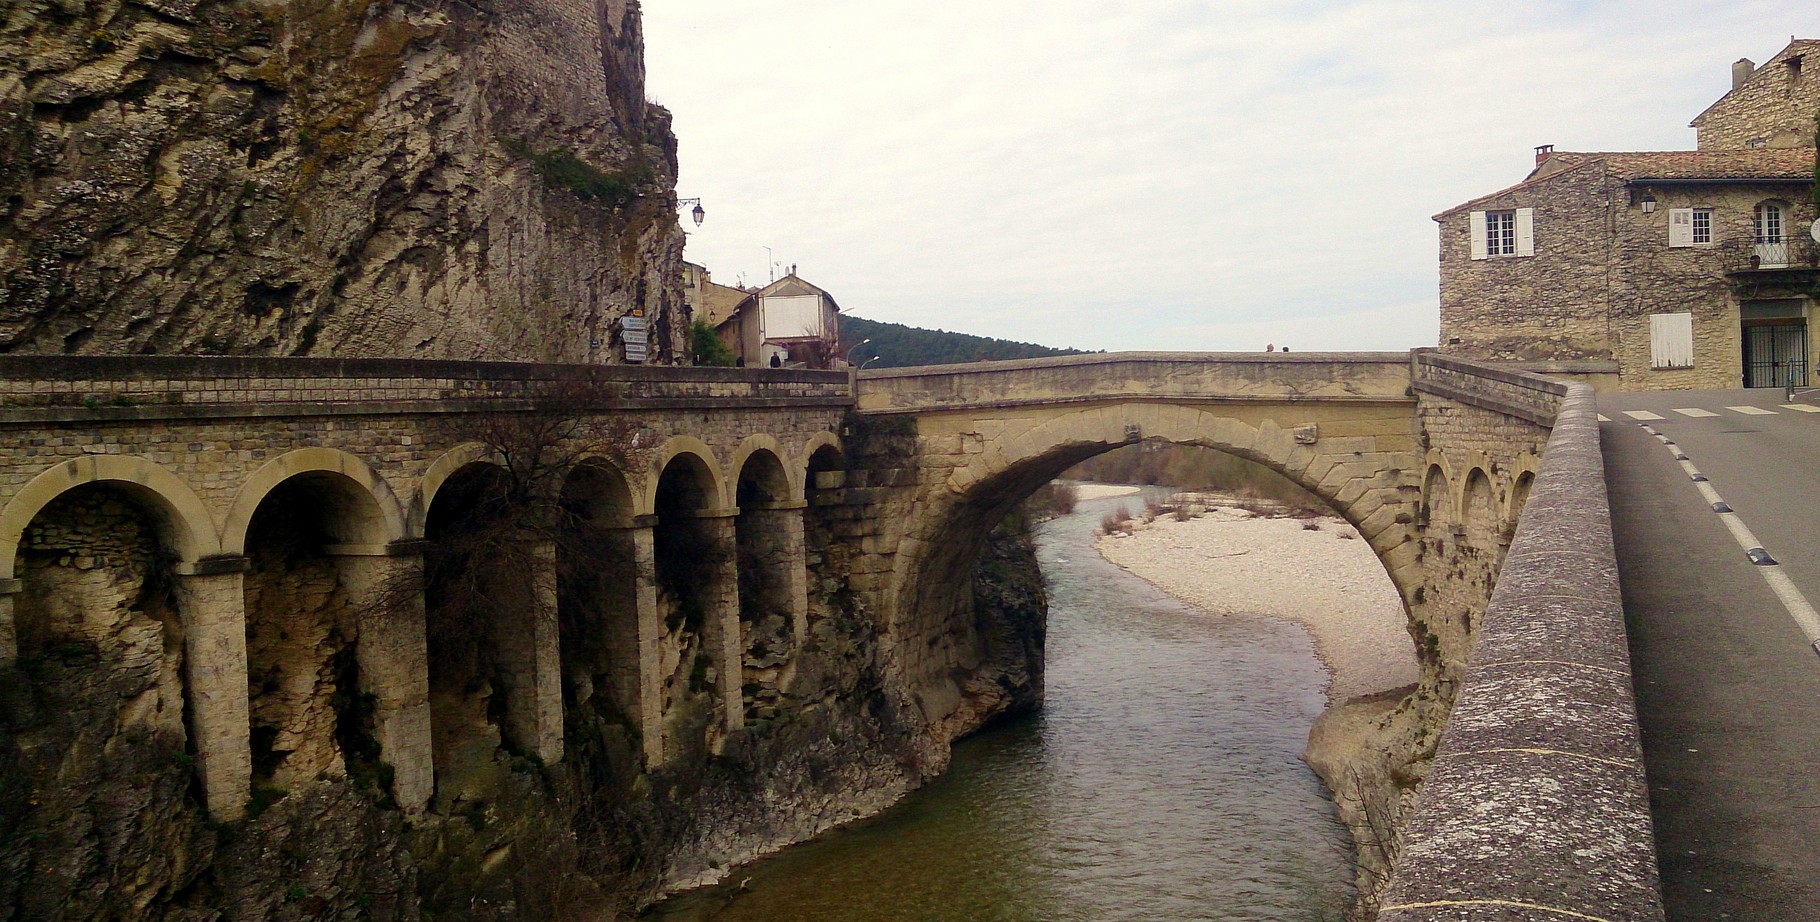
(1213, 377)
(1520, 394)
(74, 388)
(1536, 805)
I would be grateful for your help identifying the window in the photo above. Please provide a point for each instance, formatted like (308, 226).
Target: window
(1671, 340)
(1690, 227)
(1769, 223)
(1772, 246)
(1500, 233)
(1510, 232)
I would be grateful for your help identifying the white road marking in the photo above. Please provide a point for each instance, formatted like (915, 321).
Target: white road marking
(1803, 407)
(1752, 411)
(1696, 413)
(1797, 605)
(1794, 601)
(1641, 414)
(1606, 419)
(1739, 530)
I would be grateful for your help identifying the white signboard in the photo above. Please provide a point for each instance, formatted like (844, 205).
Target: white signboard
(636, 337)
(792, 317)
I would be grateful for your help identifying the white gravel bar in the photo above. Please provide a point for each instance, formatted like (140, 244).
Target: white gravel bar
(1326, 579)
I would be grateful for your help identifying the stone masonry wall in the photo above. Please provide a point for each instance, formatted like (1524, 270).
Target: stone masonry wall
(1603, 266)
(1553, 305)
(1774, 108)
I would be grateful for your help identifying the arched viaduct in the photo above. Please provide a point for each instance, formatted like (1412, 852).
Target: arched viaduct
(483, 551)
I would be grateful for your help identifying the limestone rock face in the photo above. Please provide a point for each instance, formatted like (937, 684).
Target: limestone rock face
(468, 179)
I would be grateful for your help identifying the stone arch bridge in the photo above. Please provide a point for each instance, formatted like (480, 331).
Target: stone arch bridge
(484, 550)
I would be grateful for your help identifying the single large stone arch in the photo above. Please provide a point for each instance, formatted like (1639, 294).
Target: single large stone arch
(182, 516)
(380, 522)
(1376, 491)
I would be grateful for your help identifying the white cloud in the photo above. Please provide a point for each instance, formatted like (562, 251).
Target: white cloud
(1161, 174)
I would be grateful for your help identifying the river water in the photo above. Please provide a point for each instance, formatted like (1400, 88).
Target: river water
(1160, 783)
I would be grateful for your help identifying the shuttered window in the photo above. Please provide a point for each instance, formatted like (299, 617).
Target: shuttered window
(1690, 227)
(1671, 340)
(1511, 232)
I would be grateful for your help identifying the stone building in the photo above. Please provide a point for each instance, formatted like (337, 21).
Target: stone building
(1654, 270)
(789, 322)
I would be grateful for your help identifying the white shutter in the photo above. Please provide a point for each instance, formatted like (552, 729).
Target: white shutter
(1526, 232)
(1680, 227)
(1477, 225)
(1671, 340)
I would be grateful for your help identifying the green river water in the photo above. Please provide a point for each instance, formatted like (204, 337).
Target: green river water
(1160, 783)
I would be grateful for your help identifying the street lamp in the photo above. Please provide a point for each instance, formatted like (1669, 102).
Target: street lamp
(1648, 201)
(855, 348)
(698, 213)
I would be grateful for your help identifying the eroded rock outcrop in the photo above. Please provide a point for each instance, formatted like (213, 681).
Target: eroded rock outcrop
(477, 180)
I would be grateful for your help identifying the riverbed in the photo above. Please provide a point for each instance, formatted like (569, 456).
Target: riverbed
(1161, 782)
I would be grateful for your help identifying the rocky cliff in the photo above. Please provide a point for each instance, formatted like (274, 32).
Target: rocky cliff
(475, 179)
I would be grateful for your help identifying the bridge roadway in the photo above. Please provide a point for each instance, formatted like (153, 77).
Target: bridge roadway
(1728, 687)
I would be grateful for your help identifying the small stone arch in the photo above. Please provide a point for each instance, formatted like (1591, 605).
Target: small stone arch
(436, 475)
(762, 476)
(698, 454)
(181, 512)
(818, 444)
(598, 491)
(1479, 510)
(379, 523)
(755, 445)
(1522, 479)
(1437, 495)
(1519, 497)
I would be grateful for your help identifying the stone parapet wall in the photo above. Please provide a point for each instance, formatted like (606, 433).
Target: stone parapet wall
(105, 388)
(1525, 396)
(1213, 377)
(1536, 804)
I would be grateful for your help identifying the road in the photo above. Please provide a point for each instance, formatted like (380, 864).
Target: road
(1728, 686)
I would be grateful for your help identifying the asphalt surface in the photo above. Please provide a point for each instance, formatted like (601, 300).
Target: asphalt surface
(1728, 687)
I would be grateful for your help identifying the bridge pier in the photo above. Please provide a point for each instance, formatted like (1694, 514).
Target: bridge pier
(385, 584)
(532, 656)
(720, 627)
(646, 681)
(774, 529)
(211, 599)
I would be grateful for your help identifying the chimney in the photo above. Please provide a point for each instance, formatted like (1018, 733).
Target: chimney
(1543, 152)
(1741, 71)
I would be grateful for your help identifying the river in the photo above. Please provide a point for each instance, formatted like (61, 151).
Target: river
(1161, 783)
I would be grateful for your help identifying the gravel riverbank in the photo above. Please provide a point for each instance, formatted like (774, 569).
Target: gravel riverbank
(1315, 572)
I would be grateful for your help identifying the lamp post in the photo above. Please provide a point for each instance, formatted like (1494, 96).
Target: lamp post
(698, 213)
(855, 348)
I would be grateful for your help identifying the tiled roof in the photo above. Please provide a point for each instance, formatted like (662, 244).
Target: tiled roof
(1789, 163)
(1685, 165)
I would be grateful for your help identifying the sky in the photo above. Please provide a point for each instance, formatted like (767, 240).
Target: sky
(1155, 174)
